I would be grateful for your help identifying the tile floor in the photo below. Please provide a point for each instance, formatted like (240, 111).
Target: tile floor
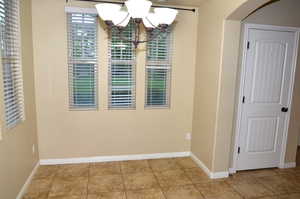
(176, 178)
(298, 157)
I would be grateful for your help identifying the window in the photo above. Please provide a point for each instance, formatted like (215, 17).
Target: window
(122, 70)
(158, 70)
(11, 62)
(82, 44)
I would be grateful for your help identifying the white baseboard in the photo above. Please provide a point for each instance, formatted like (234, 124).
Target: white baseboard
(27, 182)
(281, 166)
(201, 164)
(232, 171)
(113, 158)
(212, 175)
(217, 175)
(288, 165)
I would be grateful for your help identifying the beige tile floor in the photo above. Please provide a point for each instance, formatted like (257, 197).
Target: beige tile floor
(176, 178)
(298, 157)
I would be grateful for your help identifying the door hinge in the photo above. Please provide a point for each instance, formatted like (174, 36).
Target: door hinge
(248, 45)
(239, 150)
(244, 98)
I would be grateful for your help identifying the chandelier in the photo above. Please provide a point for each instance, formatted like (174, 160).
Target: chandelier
(116, 17)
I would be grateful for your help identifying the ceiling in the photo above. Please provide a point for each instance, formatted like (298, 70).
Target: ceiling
(183, 3)
(189, 3)
(179, 2)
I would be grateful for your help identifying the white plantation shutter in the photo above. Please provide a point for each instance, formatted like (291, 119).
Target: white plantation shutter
(122, 70)
(82, 44)
(11, 62)
(158, 70)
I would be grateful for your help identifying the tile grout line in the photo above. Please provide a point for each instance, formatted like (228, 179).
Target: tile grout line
(123, 179)
(273, 193)
(153, 173)
(208, 182)
(194, 185)
(52, 180)
(234, 189)
(88, 182)
(256, 180)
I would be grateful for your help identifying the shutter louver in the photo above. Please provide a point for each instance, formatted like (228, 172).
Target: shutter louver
(122, 70)
(158, 70)
(11, 62)
(82, 44)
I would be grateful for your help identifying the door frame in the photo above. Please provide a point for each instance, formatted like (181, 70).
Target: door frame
(241, 84)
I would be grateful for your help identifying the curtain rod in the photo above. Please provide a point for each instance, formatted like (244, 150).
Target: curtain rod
(122, 3)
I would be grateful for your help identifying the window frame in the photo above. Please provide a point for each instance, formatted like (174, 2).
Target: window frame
(131, 62)
(14, 63)
(150, 64)
(73, 106)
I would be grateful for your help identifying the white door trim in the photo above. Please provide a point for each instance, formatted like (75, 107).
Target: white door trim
(242, 83)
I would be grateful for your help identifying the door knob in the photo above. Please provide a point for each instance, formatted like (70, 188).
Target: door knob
(284, 109)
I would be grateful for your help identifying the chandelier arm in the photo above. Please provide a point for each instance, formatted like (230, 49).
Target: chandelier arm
(151, 23)
(120, 31)
(138, 41)
(123, 19)
(154, 37)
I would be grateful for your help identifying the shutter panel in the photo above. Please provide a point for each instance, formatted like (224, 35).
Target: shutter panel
(122, 70)
(158, 69)
(11, 62)
(82, 46)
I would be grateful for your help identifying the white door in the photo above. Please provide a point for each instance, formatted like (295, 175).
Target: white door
(269, 72)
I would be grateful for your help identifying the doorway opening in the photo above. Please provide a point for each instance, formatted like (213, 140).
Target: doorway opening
(266, 91)
(258, 124)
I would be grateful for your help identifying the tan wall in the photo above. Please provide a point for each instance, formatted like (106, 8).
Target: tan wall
(66, 134)
(285, 13)
(215, 81)
(16, 157)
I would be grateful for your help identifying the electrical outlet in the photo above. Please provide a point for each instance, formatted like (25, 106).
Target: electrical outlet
(33, 149)
(188, 136)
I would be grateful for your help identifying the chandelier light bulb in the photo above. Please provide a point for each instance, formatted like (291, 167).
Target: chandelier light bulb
(138, 9)
(166, 16)
(107, 11)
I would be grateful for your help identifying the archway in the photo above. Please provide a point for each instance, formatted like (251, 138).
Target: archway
(217, 66)
(228, 81)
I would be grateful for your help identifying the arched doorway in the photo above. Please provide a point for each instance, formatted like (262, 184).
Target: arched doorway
(233, 21)
(217, 66)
